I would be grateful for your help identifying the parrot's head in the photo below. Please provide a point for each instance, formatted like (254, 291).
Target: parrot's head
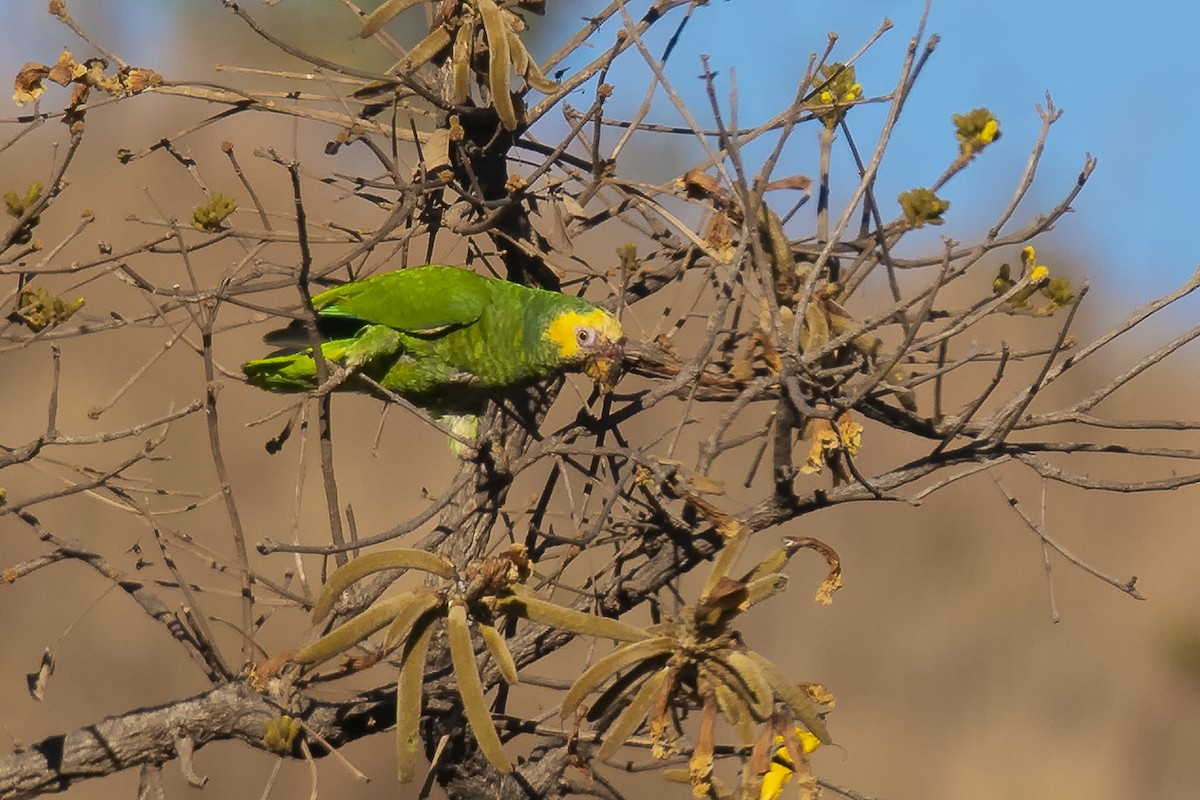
(590, 339)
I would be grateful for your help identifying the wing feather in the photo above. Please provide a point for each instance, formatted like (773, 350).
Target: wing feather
(417, 300)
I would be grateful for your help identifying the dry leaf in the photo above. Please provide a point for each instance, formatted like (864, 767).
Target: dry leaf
(801, 183)
(699, 185)
(66, 69)
(37, 681)
(27, 86)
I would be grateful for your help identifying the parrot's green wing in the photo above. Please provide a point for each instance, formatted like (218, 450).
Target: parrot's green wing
(418, 300)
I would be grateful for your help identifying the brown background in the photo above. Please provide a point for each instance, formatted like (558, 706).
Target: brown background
(952, 681)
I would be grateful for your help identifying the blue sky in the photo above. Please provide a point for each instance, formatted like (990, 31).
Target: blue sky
(1124, 80)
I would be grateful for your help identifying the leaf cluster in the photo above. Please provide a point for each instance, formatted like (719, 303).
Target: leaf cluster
(1058, 291)
(838, 88)
(24, 206)
(472, 605)
(481, 39)
(38, 308)
(699, 663)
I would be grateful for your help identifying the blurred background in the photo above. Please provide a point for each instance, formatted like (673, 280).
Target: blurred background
(951, 677)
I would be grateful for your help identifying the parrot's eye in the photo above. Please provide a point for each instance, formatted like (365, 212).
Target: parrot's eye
(586, 336)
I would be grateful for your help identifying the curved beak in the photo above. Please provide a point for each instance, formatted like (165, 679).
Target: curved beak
(606, 364)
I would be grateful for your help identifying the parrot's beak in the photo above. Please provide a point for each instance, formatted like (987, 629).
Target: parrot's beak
(606, 365)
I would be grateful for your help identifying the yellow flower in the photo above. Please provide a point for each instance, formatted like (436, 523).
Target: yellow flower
(1036, 271)
(782, 766)
(840, 86)
(990, 131)
(773, 782)
(975, 130)
(1057, 290)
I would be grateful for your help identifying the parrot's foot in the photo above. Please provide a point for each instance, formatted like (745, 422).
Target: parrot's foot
(464, 434)
(337, 376)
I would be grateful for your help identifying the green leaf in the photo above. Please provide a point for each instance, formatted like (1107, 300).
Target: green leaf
(736, 711)
(765, 587)
(464, 42)
(746, 678)
(499, 63)
(612, 663)
(421, 601)
(922, 207)
(499, 650)
(626, 684)
(353, 631)
(437, 41)
(619, 690)
(280, 734)
(728, 555)
(380, 16)
(16, 204)
(470, 688)
(801, 706)
(774, 561)
(524, 603)
(362, 566)
(633, 715)
(408, 697)
(975, 130)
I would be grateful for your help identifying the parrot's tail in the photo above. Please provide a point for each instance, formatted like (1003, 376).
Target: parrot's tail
(285, 372)
(292, 371)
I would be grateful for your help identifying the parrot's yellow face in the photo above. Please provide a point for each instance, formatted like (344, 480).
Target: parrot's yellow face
(592, 338)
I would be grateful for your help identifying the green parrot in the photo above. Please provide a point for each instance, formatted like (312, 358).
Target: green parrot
(446, 338)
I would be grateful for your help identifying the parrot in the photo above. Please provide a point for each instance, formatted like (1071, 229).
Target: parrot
(445, 338)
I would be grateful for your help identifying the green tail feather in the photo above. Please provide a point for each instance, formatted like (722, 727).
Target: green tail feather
(285, 371)
(292, 372)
